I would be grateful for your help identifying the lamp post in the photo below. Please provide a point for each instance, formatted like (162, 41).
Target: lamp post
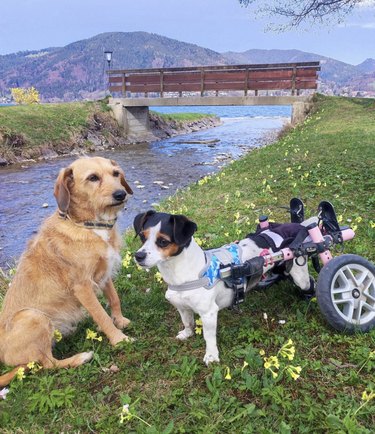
(108, 56)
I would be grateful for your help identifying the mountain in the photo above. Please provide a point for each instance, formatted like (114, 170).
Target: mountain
(367, 66)
(77, 70)
(331, 69)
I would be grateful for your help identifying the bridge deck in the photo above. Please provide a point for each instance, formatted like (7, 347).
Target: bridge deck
(204, 80)
(209, 101)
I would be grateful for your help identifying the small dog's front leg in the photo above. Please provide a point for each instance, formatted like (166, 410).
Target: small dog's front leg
(114, 302)
(86, 296)
(187, 316)
(209, 321)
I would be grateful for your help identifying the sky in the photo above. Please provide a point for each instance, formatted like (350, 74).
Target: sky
(221, 25)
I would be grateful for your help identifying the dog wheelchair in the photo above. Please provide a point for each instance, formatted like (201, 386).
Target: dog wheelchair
(345, 288)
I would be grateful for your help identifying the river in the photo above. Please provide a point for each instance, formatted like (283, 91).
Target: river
(24, 189)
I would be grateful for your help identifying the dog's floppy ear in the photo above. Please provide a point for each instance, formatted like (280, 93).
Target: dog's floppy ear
(62, 192)
(125, 184)
(140, 220)
(183, 229)
(122, 178)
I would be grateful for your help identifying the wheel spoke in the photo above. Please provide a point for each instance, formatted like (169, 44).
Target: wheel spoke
(365, 275)
(350, 276)
(368, 307)
(346, 307)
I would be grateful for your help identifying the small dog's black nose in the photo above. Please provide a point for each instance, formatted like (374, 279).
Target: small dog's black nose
(119, 195)
(140, 256)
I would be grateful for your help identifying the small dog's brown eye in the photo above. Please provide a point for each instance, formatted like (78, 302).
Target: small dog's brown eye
(116, 173)
(93, 178)
(162, 242)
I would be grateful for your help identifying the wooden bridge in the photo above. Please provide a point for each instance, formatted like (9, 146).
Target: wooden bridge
(261, 84)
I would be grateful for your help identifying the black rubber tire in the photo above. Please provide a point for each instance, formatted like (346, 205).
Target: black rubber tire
(336, 313)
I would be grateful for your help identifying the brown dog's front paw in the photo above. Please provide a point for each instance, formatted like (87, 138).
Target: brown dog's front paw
(121, 322)
(119, 337)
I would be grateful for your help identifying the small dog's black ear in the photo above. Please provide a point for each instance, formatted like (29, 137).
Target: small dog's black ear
(140, 220)
(183, 229)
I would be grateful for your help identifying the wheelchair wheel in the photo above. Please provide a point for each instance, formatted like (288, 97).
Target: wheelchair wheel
(346, 293)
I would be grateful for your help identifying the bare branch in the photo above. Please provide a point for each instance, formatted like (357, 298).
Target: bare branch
(297, 12)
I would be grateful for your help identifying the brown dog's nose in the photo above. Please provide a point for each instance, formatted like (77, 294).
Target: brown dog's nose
(119, 195)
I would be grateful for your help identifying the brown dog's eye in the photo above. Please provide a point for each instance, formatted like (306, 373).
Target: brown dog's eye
(93, 178)
(162, 242)
(116, 173)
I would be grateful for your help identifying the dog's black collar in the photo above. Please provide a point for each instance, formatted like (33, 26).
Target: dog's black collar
(89, 224)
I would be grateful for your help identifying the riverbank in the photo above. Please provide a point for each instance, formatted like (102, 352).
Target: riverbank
(163, 382)
(42, 132)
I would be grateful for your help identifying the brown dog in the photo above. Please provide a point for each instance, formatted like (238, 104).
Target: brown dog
(69, 261)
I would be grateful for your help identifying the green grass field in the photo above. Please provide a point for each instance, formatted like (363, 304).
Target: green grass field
(160, 385)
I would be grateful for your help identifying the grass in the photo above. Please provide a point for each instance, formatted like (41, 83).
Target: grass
(181, 117)
(45, 123)
(162, 383)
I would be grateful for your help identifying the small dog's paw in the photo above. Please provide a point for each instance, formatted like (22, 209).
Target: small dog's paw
(121, 322)
(184, 334)
(210, 358)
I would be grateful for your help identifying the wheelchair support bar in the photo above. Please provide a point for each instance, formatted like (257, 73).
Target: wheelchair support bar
(320, 246)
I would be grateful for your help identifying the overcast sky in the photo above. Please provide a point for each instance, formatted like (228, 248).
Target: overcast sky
(222, 25)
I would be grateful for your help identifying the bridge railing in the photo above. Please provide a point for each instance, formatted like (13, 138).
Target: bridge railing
(292, 77)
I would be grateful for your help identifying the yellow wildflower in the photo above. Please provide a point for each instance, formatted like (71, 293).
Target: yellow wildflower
(358, 219)
(271, 361)
(294, 371)
(158, 277)
(127, 260)
(93, 336)
(57, 335)
(227, 373)
(262, 352)
(368, 396)
(339, 218)
(198, 328)
(20, 374)
(34, 367)
(288, 350)
(245, 364)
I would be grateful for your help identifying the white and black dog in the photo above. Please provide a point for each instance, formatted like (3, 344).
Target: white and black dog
(193, 287)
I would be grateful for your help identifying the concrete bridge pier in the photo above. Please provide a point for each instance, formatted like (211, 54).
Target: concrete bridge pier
(300, 110)
(134, 120)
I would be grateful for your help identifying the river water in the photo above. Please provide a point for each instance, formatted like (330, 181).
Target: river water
(175, 162)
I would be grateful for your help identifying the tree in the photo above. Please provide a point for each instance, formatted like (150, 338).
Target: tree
(25, 95)
(297, 12)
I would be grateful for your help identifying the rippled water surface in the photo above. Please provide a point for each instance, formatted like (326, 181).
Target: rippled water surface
(23, 190)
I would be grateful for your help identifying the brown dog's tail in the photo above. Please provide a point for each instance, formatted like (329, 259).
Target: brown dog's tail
(8, 377)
